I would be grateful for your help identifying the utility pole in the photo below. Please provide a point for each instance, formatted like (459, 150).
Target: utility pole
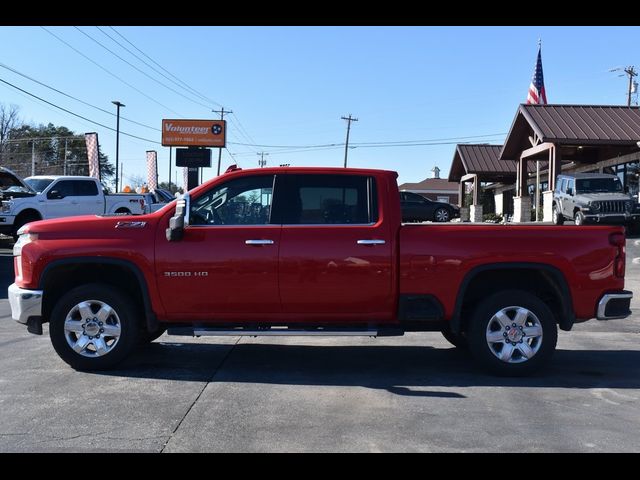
(33, 158)
(118, 105)
(170, 148)
(632, 73)
(349, 119)
(221, 112)
(262, 162)
(66, 153)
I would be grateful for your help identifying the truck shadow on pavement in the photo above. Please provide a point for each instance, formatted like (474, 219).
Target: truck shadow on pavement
(402, 370)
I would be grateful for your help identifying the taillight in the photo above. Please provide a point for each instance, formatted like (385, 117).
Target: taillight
(618, 240)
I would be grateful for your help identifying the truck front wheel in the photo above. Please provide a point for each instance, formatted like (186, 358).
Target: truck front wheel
(512, 333)
(94, 327)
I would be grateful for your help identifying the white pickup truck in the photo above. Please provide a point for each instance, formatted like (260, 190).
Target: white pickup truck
(63, 196)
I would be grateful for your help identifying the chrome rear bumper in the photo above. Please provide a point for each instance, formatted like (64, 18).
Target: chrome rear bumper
(614, 305)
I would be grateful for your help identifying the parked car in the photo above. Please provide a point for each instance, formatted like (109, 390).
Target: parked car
(416, 208)
(310, 251)
(593, 198)
(63, 196)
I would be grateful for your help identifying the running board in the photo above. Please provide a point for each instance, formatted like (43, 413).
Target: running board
(273, 332)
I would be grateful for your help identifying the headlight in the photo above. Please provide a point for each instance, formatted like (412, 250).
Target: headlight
(628, 206)
(23, 239)
(6, 206)
(595, 205)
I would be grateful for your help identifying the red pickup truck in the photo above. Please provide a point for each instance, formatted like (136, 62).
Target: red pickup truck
(311, 251)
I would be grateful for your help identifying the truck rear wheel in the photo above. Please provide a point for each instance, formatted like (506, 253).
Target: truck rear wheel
(512, 333)
(94, 327)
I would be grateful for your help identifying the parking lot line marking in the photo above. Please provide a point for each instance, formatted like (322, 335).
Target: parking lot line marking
(636, 260)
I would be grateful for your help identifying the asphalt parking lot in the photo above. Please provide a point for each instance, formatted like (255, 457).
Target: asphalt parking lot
(401, 394)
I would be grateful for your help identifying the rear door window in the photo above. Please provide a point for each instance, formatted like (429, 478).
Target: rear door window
(329, 200)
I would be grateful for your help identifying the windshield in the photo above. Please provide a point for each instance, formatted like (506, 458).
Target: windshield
(38, 184)
(598, 185)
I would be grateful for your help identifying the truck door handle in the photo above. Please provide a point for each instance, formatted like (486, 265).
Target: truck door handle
(258, 242)
(370, 242)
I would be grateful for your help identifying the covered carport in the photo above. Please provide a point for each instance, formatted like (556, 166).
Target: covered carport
(569, 138)
(476, 164)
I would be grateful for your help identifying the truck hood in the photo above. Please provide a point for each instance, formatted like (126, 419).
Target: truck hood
(93, 227)
(599, 197)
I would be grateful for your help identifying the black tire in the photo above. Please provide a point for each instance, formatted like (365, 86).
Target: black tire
(578, 218)
(20, 222)
(458, 340)
(123, 314)
(147, 337)
(441, 214)
(557, 217)
(123, 211)
(538, 319)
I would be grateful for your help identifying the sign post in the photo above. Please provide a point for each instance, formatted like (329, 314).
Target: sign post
(194, 133)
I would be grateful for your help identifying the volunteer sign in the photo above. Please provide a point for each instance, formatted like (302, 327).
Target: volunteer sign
(194, 133)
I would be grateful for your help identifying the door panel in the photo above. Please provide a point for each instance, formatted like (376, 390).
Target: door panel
(226, 265)
(213, 274)
(325, 273)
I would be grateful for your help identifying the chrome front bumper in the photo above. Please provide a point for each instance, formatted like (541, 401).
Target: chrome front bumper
(614, 305)
(24, 303)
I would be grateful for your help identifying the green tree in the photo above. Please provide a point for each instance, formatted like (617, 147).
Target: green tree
(50, 150)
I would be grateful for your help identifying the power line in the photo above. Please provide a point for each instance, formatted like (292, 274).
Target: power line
(146, 63)
(182, 84)
(362, 144)
(109, 72)
(178, 79)
(139, 70)
(76, 114)
(74, 98)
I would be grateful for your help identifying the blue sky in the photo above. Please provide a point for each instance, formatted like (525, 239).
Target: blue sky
(290, 85)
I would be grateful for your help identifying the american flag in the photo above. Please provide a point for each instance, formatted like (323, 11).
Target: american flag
(537, 94)
(91, 140)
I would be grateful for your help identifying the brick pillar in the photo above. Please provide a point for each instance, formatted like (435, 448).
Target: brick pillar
(547, 204)
(476, 213)
(522, 209)
(499, 200)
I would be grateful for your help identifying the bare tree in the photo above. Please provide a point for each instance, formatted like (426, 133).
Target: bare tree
(8, 121)
(135, 181)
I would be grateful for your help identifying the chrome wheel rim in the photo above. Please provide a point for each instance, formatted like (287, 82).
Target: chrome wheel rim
(442, 215)
(514, 334)
(92, 328)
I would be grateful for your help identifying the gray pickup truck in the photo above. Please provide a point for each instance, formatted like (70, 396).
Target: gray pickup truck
(593, 198)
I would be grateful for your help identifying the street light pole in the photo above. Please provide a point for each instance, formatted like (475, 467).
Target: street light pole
(118, 105)
(222, 111)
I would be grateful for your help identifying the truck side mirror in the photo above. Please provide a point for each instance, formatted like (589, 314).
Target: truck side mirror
(54, 195)
(177, 222)
(570, 191)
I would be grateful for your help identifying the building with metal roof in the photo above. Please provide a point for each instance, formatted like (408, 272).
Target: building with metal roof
(569, 138)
